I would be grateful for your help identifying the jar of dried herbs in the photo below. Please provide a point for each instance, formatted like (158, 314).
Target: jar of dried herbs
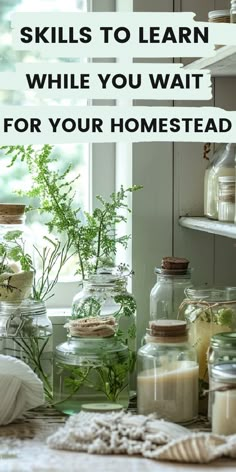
(26, 333)
(91, 369)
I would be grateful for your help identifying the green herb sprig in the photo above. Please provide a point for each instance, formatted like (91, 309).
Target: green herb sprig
(93, 237)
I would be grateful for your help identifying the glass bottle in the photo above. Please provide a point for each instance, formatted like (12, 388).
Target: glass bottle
(107, 295)
(208, 311)
(15, 283)
(26, 333)
(226, 208)
(221, 165)
(222, 377)
(91, 370)
(167, 382)
(168, 293)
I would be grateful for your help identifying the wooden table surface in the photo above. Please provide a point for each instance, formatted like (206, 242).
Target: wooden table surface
(23, 448)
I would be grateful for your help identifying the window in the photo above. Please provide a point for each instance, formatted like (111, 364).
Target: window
(88, 161)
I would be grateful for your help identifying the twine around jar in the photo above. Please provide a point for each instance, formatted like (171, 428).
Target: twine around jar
(203, 303)
(223, 388)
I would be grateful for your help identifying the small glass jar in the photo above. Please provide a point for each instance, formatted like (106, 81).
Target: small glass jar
(222, 376)
(221, 165)
(91, 370)
(208, 311)
(26, 333)
(106, 294)
(226, 209)
(167, 382)
(219, 16)
(233, 11)
(169, 291)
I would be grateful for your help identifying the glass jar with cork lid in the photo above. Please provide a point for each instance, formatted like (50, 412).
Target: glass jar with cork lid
(173, 277)
(91, 370)
(167, 382)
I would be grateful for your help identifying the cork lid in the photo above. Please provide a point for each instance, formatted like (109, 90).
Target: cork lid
(168, 328)
(173, 266)
(11, 213)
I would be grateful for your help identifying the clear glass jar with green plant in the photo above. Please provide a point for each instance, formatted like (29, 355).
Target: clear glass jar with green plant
(25, 329)
(208, 311)
(106, 294)
(26, 333)
(91, 370)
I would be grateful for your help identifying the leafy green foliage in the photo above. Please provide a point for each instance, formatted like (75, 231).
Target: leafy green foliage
(12, 248)
(54, 254)
(92, 236)
(109, 377)
(32, 348)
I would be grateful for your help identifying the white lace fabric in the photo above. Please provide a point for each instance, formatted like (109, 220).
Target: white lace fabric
(122, 433)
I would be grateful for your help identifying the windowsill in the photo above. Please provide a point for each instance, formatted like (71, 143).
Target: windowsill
(59, 315)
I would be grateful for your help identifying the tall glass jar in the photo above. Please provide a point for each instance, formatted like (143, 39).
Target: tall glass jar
(26, 333)
(91, 370)
(107, 295)
(169, 291)
(15, 282)
(222, 382)
(167, 382)
(221, 165)
(208, 311)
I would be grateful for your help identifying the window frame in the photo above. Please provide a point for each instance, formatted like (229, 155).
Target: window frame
(102, 181)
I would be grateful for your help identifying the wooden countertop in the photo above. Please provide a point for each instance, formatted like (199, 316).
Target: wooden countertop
(23, 449)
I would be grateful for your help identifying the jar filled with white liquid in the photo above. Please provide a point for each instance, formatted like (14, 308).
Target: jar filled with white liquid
(226, 208)
(167, 382)
(221, 165)
(222, 376)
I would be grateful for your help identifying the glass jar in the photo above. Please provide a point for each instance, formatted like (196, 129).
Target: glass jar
(26, 333)
(15, 282)
(219, 16)
(107, 295)
(226, 209)
(222, 376)
(167, 382)
(169, 291)
(208, 311)
(233, 11)
(91, 369)
(221, 165)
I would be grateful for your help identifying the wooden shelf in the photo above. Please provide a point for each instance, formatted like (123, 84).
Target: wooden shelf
(209, 226)
(223, 64)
